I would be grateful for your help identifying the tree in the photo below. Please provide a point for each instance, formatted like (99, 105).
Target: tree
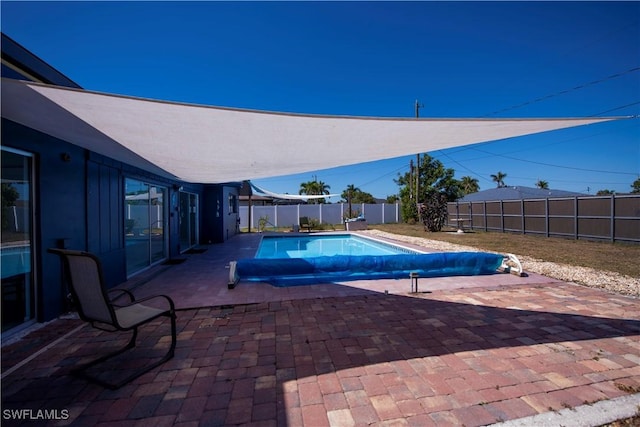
(434, 211)
(314, 188)
(348, 196)
(392, 199)
(605, 192)
(433, 177)
(9, 197)
(499, 179)
(543, 185)
(353, 194)
(636, 186)
(468, 185)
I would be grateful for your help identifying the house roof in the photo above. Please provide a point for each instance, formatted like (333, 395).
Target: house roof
(516, 193)
(204, 144)
(25, 65)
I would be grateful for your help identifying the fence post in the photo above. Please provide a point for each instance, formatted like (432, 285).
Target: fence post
(575, 217)
(457, 211)
(546, 217)
(383, 213)
(275, 216)
(613, 218)
(502, 215)
(486, 228)
(522, 222)
(320, 212)
(471, 215)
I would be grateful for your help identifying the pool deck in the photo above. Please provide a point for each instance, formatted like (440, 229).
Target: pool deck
(463, 351)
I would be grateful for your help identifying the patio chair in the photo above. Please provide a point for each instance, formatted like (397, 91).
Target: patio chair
(94, 305)
(305, 223)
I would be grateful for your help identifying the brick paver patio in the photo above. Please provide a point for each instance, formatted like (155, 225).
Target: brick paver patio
(473, 353)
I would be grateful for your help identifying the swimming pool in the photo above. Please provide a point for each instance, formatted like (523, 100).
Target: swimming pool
(325, 245)
(294, 261)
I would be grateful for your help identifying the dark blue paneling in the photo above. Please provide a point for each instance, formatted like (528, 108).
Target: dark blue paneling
(104, 201)
(218, 224)
(79, 202)
(211, 215)
(116, 220)
(105, 218)
(59, 208)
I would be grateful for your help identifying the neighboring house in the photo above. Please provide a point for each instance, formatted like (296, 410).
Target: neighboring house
(56, 194)
(516, 193)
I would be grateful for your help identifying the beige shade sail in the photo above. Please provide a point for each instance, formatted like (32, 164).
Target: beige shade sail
(205, 144)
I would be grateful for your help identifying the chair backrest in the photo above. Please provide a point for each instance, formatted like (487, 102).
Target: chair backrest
(86, 280)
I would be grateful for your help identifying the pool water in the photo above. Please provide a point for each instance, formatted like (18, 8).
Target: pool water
(324, 245)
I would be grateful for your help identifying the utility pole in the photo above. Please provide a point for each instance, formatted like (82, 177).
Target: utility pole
(411, 182)
(418, 106)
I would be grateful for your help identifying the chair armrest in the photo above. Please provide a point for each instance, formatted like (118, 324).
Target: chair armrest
(121, 291)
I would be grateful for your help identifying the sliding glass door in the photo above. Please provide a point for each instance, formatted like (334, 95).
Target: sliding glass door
(16, 249)
(145, 224)
(188, 220)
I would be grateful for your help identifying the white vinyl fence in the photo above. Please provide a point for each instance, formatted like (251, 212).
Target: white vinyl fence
(333, 213)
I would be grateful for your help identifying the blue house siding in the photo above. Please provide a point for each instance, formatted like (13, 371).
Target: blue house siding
(79, 197)
(59, 208)
(79, 204)
(218, 222)
(105, 219)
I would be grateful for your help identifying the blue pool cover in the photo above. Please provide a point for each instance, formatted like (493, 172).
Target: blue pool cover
(303, 271)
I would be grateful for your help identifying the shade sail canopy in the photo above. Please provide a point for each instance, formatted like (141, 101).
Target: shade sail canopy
(263, 192)
(214, 145)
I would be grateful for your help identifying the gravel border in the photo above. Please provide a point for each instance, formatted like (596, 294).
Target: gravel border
(586, 276)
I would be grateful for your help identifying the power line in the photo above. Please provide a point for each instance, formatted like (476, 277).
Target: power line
(615, 109)
(564, 92)
(556, 166)
(463, 166)
(382, 176)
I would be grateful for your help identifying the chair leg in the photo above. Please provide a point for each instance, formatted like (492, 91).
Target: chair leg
(81, 371)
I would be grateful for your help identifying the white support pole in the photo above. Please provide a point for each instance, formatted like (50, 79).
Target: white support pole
(275, 215)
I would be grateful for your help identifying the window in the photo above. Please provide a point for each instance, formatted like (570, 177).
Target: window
(145, 224)
(233, 203)
(188, 220)
(16, 250)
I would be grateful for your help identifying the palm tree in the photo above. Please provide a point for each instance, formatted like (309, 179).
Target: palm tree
(543, 185)
(314, 188)
(348, 194)
(307, 188)
(469, 185)
(499, 179)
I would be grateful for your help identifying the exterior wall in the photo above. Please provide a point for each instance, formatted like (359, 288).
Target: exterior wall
(79, 204)
(218, 221)
(79, 200)
(59, 209)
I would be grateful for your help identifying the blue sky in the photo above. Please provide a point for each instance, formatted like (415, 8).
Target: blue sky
(459, 59)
